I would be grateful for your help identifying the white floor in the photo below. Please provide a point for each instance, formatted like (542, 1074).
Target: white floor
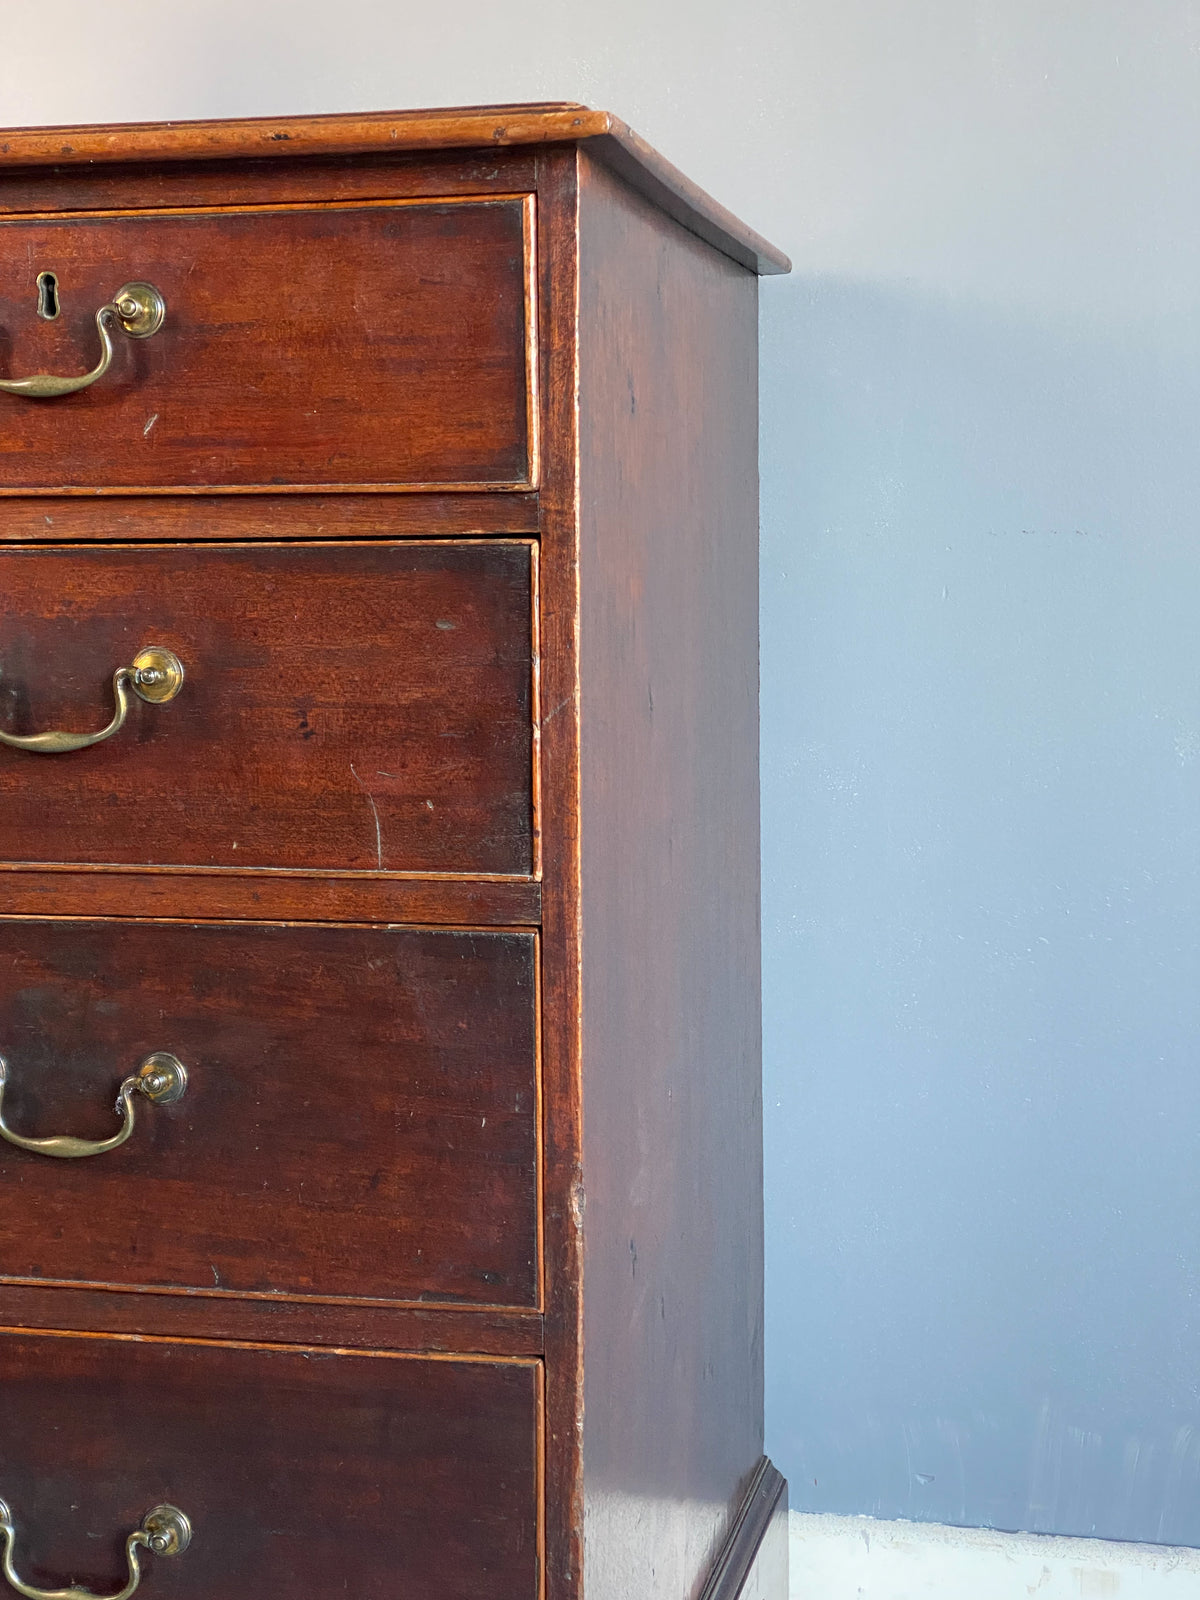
(857, 1558)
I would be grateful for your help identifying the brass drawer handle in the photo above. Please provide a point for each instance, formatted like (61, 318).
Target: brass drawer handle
(165, 1530)
(156, 676)
(137, 307)
(161, 1078)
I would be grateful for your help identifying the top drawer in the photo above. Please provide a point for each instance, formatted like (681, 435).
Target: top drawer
(374, 346)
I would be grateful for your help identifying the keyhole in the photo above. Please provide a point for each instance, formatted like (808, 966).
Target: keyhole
(47, 286)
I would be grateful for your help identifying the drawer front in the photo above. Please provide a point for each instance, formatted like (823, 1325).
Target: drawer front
(359, 1118)
(303, 1473)
(363, 707)
(340, 345)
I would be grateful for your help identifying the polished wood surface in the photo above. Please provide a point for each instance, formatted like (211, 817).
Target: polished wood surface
(672, 1115)
(355, 133)
(586, 732)
(174, 185)
(304, 1472)
(297, 1319)
(562, 913)
(289, 895)
(360, 1117)
(308, 346)
(130, 519)
(343, 133)
(360, 706)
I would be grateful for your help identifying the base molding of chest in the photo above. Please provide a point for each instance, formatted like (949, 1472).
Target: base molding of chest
(752, 1564)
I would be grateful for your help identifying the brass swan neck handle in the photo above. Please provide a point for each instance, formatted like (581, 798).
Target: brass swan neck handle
(137, 308)
(155, 676)
(165, 1531)
(161, 1079)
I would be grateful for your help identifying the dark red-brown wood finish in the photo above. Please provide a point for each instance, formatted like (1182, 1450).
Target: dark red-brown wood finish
(303, 1471)
(439, 874)
(371, 344)
(352, 706)
(672, 1116)
(360, 1118)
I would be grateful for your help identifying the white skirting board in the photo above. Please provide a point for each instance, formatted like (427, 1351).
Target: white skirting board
(857, 1558)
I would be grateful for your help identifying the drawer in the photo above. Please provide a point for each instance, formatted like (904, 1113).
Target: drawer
(361, 706)
(359, 1117)
(302, 1472)
(368, 345)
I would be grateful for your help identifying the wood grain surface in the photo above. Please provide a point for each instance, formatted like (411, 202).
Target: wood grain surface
(137, 185)
(361, 706)
(672, 1108)
(304, 1473)
(499, 687)
(162, 519)
(217, 1314)
(488, 128)
(562, 920)
(305, 346)
(284, 894)
(360, 1118)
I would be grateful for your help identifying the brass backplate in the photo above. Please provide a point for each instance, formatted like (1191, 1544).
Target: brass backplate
(140, 309)
(157, 674)
(162, 1078)
(169, 1530)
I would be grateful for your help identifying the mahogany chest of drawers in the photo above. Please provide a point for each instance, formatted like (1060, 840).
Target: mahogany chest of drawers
(378, 830)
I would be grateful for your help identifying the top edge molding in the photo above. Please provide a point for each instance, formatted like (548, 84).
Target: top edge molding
(604, 136)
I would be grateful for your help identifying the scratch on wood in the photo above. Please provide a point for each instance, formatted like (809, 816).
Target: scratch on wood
(375, 814)
(550, 715)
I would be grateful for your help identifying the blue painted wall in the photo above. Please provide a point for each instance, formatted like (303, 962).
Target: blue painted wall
(982, 804)
(981, 738)
(981, 676)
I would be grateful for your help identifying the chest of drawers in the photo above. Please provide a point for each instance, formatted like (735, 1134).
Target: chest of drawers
(378, 829)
